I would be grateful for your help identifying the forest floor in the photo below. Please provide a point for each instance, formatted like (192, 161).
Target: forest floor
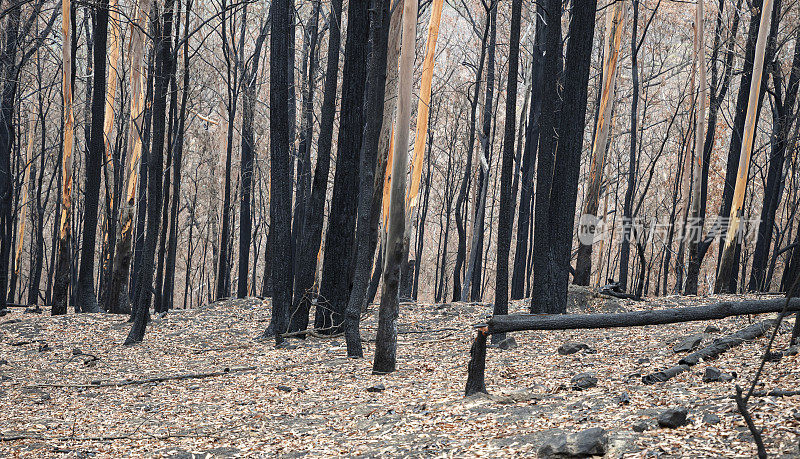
(309, 399)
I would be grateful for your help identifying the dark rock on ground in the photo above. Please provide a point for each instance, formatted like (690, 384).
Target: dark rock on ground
(673, 417)
(715, 375)
(376, 388)
(640, 426)
(571, 348)
(792, 350)
(773, 356)
(508, 343)
(710, 418)
(624, 398)
(589, 442)
(583, 381)
(712, 329)
(688, 343)
(284, 388)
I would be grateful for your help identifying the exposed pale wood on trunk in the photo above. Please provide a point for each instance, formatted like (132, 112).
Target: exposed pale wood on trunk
(727, 260)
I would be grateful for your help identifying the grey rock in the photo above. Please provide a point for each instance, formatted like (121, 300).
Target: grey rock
(583, 381)
(688, 343)
(3, 362)
(77, 351)
(640, 426)
(792, 350)
(710, 418)
(284, 388)
(586, 443)
(376, 388)
(713, 329)
(673, 417)
(624, 398)
(796, 415)
(571, 348)
(508, 343)
(715, 375)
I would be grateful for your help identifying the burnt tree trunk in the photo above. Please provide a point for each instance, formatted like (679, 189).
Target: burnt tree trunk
(312, 234)
(337, 263)
(506, 219)
(373, 105)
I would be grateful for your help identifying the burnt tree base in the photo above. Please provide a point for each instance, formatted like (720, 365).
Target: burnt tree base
(477, 365)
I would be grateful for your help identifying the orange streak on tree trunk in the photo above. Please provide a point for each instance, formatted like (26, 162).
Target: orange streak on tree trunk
(423, 107)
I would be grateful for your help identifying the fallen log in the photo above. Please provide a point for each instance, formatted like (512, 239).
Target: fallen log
(523, 322)
(712, 351)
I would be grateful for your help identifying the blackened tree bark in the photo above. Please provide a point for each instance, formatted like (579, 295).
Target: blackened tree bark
(159, 303)
(141, 199)
(461, 201)
(231, 55)
(373, 105)
(168, 293)
(528, 164)
(250, 76)
(86, 298)
(164, 62)
(627, 210)
(506, 219)
(9, 90)
(472, 275)
(420, 238)
(312, 234)
(540, 291)
(564, 193)
(309, 75)
(337, 261)
(280, 205)
(783, 117)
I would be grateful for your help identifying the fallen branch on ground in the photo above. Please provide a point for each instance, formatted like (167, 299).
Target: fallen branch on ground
(157, 379)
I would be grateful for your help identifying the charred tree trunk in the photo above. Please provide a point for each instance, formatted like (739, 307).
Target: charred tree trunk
(312, 234)
(337, 263)
(373, 105)
(472, 275)
(528, 165)
(164, 63)
(627, 212)
(461, 201)
(250, 77)
(783, 116)
(506, 219)
(280, 204)
(540, 291)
